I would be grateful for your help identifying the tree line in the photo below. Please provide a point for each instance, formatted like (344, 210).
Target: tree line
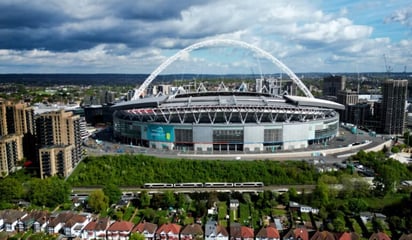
(135, 170)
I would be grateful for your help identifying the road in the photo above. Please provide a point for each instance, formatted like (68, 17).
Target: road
(336, 150)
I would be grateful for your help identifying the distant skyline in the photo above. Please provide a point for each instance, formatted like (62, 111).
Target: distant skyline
(136, 36)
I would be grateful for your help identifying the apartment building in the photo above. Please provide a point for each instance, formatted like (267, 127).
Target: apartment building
(60, 143)
(16, 130)
(394, 97)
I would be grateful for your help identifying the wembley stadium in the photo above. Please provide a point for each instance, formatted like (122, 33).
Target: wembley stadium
(222, 121)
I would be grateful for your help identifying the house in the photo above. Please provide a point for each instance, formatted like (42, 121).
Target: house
(35, 220)
(119, 230)
(247, 233)
(74, 226)
(147, 229)
(323, 235)
(96, 229)
(235, 231)
(57, 221)
(297, 233)
(379, 236)
(238, 232)
(406, 236)
(347, 236)
(191, 232)
(42, 219)
(268, 233)
(213, 231)
(9, 219)
(169, 231)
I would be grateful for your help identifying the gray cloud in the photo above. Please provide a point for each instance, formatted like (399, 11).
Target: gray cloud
(43, 25)
(120, 35)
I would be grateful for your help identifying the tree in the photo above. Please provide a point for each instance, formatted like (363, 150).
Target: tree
(406, 137)
(169, 199)
(385, 149)
(144, 199)
(395, 149)
(182, 201)
(10, 189)
(377, 224)
(284, 198)
(320, 195)
(386, 180)
(48, 192)
(113, 192)
(98, 201)
(149, 214)
(354, 187)
(338, 224)
(293, 194)
(137, 236)
(212, 199)
(357, 205)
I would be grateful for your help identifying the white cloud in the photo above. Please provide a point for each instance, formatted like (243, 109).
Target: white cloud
(340, 29)
(299, 33)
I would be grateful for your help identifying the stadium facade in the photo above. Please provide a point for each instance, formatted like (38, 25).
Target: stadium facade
(223, 121)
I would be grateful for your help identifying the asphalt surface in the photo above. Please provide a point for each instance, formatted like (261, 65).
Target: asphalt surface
(336, 150)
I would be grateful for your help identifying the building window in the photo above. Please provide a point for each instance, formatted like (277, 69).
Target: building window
(273, 135)
(184, 135)
(228, 136)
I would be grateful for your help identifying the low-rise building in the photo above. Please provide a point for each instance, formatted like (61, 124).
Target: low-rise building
(192, 232)
(96, 229)
(147, 229)
(119, 230)
(169, 231)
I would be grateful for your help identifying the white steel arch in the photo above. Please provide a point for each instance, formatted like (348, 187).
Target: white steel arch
(214, 42)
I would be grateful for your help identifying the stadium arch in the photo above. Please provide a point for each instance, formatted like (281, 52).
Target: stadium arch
(218, 42)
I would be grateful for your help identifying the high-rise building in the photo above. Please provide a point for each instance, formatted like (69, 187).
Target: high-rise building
(107, 97)
(332, 85)
(11, 152)
(394, 97)
(16, 134)
(57, 133)
(347, 97)
(16, 118)
(56, 160)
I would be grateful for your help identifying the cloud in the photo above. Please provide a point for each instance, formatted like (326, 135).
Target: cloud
(340, 29)
(402, 16)
(138, 35)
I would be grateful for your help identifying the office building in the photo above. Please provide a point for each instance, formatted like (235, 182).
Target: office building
(57, 133)
(394, 97)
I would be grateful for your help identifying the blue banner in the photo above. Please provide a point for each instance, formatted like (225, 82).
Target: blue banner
(160, 133)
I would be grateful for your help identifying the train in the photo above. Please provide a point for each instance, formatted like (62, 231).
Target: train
(204, 185)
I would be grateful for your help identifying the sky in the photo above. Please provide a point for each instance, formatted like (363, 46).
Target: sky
(136, 36)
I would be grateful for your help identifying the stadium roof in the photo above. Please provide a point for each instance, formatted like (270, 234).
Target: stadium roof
(225, 99)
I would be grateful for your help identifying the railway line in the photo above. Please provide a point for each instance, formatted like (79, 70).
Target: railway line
(152, 188)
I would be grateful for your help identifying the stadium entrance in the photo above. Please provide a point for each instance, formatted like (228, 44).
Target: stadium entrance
(227, 147)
